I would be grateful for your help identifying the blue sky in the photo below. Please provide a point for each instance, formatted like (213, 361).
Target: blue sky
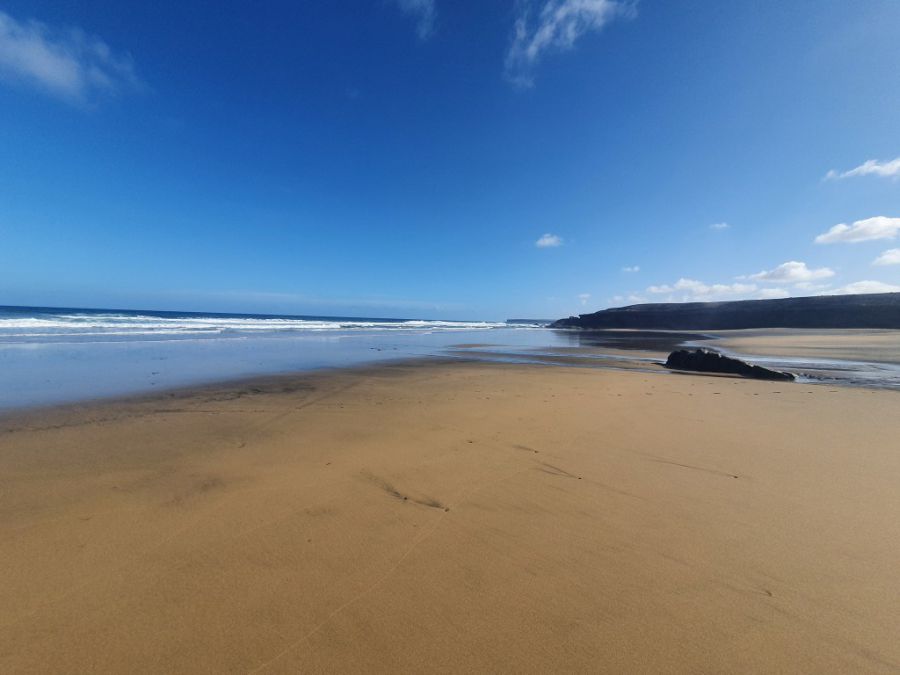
(462, 159)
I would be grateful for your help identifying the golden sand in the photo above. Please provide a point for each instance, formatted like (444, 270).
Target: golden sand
(461, 518)
(848, 345)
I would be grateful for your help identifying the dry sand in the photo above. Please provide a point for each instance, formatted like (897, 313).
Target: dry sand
(462, 518)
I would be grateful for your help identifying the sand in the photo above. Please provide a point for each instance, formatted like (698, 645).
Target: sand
(879, 346)
(456, 518)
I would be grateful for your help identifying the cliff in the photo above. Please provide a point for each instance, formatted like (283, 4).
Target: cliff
(879, 310)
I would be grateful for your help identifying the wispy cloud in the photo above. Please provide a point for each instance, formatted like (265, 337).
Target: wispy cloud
(889, 257)
(633, 298)
(872, 167)
(425, 13)
(792, 271)
(794, 278)
(859, 287)
(879, 227)
(719, 226)
(693, 290)
(556, 28)
(632, 269)
(584, 297)
(549, 241)
(690, 290)
(66, 63)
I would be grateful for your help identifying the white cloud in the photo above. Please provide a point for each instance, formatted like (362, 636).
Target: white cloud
(558, 26)
(584, 297)
(797, 274)
(69, 64)
(425, 13)
(792, 272)
(632, 268)
(549, 241)
(889, 257)
(873, 167)
(693, 290)
(719, 226)
(632, 298)
(864, 287)
(879, 227)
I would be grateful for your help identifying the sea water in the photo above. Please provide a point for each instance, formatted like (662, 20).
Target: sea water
(54, 355)
(58, 355)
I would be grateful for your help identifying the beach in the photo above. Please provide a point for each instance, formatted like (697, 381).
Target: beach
(418, 336)
(878, 346)
(455, 517)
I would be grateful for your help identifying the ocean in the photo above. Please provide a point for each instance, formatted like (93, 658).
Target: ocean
(60, 355)
(57, 355)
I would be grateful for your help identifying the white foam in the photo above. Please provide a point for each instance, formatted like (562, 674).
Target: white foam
(49, 326)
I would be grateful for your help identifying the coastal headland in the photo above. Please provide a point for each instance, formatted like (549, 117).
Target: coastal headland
(873, 310)
(463, 517)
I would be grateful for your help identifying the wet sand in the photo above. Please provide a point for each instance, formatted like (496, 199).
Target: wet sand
(455, 518)
(878, 346)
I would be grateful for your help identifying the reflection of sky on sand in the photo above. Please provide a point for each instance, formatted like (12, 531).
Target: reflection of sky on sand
(54, 372)
(632, 340)
(832, 371)
(47, 373)
(865, 358)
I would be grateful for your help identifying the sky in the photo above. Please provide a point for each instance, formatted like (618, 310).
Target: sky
(464, 159)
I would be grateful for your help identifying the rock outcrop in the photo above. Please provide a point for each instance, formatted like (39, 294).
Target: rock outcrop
(708, 361)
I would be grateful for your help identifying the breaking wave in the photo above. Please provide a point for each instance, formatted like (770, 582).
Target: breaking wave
(18, 325)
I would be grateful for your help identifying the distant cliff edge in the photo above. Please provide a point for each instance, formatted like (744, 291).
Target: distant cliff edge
(877, 310)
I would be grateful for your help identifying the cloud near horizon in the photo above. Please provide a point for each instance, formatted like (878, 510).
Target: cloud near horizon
(870, 229)
(632, 268)
(559, 24)
(792, 271)
(693, 290)
(861, 287)
(633, 298)
(719, 226)
(872, 167)
(549, 241)
(425, 13)
(68, 64)
(797, 278)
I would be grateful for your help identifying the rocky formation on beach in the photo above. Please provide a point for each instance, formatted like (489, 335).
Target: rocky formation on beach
(708, 361)
(877, 310)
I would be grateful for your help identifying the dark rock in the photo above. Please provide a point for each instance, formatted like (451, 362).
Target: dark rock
(708, 361)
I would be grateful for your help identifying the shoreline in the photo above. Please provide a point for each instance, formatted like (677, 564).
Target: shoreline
(58, 374)
(269, 381)
(239, 386)
(457, 516)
